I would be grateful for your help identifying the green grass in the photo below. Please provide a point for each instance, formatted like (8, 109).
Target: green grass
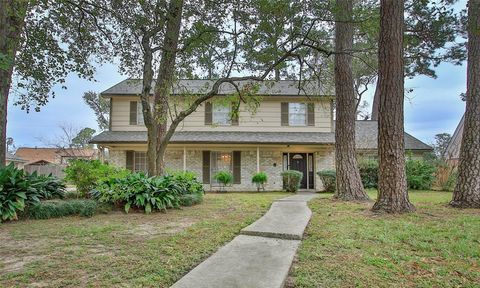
(127, 250)
(346, 245)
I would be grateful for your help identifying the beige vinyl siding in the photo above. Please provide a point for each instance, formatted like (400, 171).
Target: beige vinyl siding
(267, 117)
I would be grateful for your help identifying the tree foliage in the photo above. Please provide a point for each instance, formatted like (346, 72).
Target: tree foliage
(100, 106)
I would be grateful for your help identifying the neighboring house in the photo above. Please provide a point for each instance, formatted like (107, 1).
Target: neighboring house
(17, 161)
(292, 129)
(453, 149)
(35, 156)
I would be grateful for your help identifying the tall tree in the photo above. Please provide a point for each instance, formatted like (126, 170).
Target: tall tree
(12, 17)
(349, 183)
(467, 189)
(100, 106)
(82, 139)
(441, 144)
(392, 183)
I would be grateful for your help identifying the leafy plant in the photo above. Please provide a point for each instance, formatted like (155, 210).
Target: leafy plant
(137, 190)
(223, 177)
(47, 186)
(86, 174)
(13, 192)
(19, 190)
(329, 178)
(369, 173)
(420, 174)
(291, 180)
(260, 179)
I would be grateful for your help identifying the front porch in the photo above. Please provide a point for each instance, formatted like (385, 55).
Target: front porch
(243, 161)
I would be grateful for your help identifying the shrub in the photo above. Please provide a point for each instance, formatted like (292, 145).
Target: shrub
(420, 174)
(136, 190)
(86, 174)
(188, 182)
(47, 186)
(19, 190)
(291, 180)
(55, 209)
(223, 177)
(13, 192)
(329, 179)
(260, 179)
(369, 173)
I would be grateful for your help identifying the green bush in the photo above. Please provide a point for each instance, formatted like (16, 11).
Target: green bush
(86, 174)
(369, 173)
(329, 179)
(19, 190)
(291, 180)
(188, 182)
(137, 190)
(420, 174)
(223, 177)
(260, 179)
(47, 186)
(13, 192)
(61, 208)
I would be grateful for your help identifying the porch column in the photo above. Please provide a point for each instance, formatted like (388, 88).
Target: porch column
(184, 158)
(258, 159)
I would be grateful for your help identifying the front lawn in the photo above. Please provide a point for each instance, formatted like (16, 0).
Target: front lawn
(127, 250)
(346, 245)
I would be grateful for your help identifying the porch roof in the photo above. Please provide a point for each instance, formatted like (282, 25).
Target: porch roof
(204, 137)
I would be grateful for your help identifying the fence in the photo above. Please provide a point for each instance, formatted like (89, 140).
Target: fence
(54, 169)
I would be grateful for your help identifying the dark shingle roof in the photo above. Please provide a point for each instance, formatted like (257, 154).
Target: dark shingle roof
(221, 137)
(366, 137)
(272, 88)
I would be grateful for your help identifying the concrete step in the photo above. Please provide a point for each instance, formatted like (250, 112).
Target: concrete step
(284, 220)
(247, 261)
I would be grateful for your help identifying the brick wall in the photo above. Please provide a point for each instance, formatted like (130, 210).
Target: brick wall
(270, 163)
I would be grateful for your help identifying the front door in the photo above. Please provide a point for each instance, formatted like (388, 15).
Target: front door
(298, 161)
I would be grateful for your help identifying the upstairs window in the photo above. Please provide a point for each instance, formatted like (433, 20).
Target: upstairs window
(221, 114)
(140, 113)
(297, 114)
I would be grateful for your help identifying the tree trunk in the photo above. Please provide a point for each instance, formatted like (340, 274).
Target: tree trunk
(376, 100)
(349, 183)
(392, 184)
(12, 17)
(467, 190)
(164, 81)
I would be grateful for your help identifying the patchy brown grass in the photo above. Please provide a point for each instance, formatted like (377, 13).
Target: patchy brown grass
(346, 245)
(128, 250)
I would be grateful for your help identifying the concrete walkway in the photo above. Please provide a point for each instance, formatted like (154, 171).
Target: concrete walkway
(262, 256)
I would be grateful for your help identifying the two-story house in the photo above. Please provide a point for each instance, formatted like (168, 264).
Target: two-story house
(293, 128)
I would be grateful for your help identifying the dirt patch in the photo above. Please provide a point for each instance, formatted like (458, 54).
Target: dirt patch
(152, 229)
(15, 253)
